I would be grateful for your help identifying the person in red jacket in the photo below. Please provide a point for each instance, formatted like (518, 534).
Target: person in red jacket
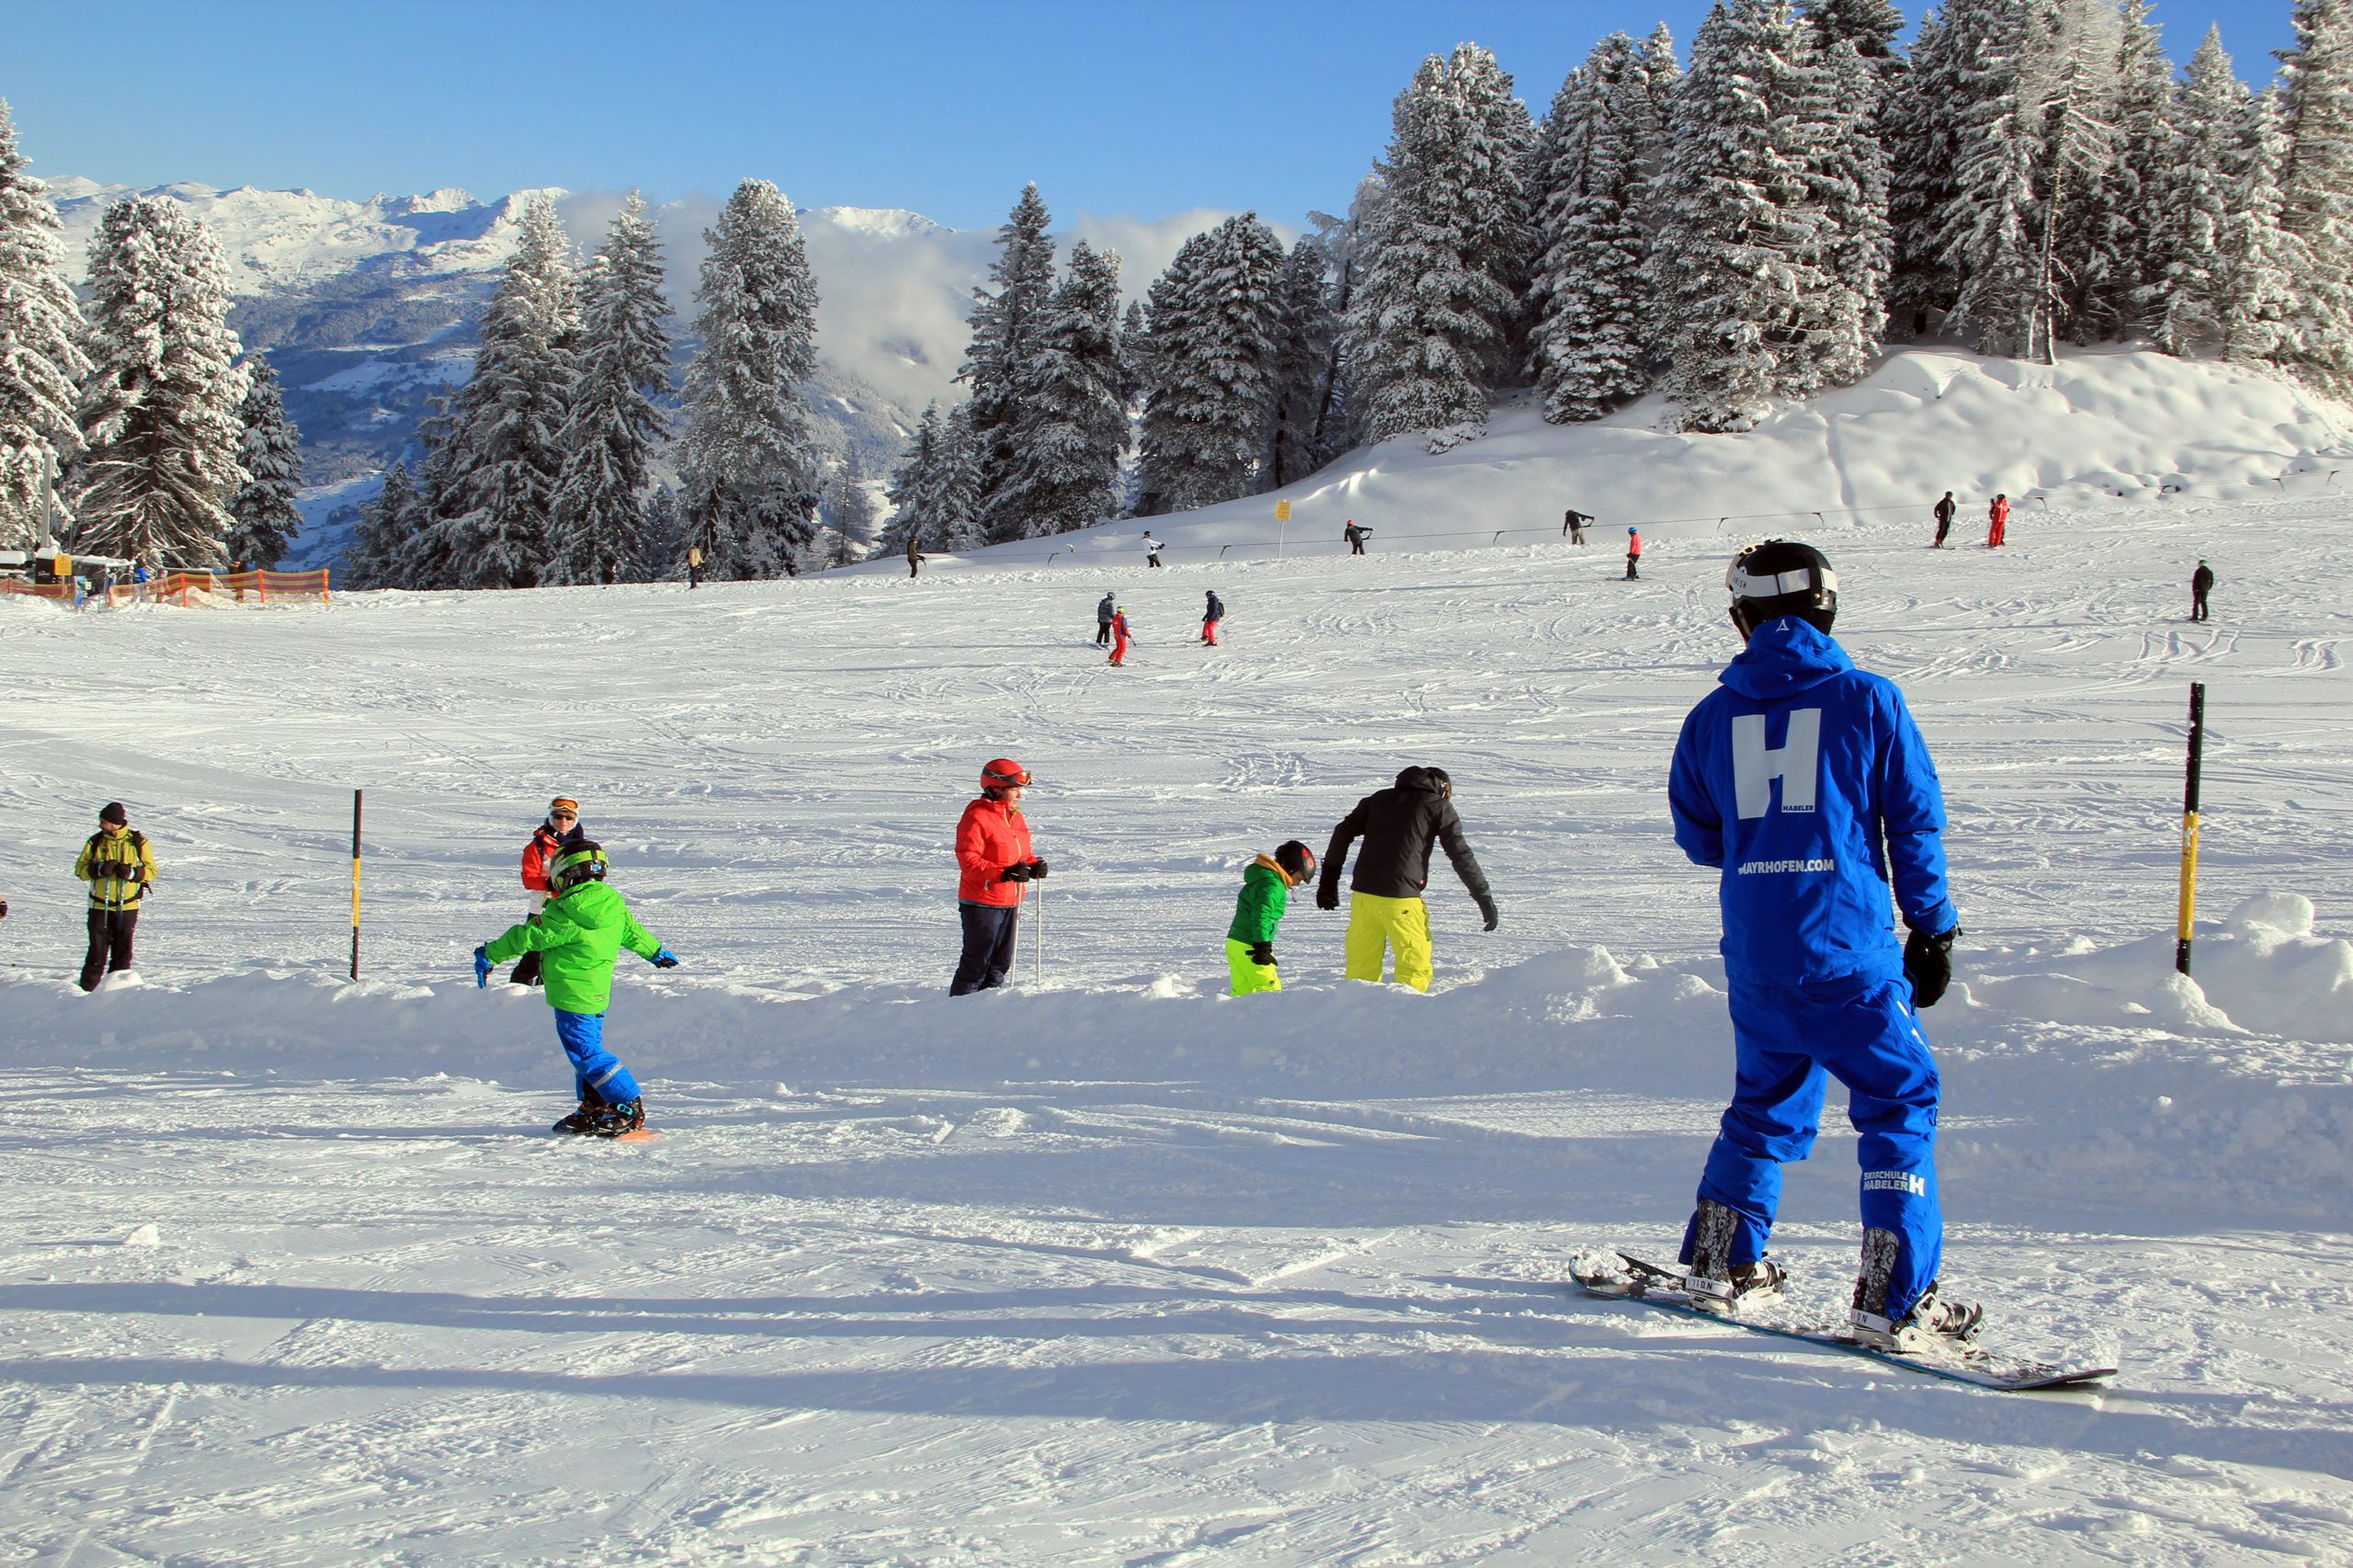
(1634, 556)
(1118, 636)
(561, 827)
(1997, 522)
(994, 865)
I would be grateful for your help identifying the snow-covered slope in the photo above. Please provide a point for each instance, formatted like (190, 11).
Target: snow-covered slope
(2103, 427)
(1112, 1268)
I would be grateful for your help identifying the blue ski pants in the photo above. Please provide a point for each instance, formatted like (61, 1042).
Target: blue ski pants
(1790, 1040)
(597, 1072)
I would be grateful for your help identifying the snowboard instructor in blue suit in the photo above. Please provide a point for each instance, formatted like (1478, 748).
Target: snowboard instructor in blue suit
(1805, 781)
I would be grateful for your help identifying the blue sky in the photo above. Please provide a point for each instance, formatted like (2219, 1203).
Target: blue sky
(1111, 106)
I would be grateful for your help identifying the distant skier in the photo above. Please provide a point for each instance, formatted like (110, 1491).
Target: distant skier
(1210, 615)
(2201, 583)
(1118, 636)
(561, 827)
(1634, 556)
(582, 930)
(1386, 909)
(1997, 522)
(914, 555)
(1805, 781)
(1945, 509)
(1152, 548)
(1356, 536)
(1266, 892)
(694, 566)
(994, 867)
(1572, 524)
(120, 867)
(1103, 613)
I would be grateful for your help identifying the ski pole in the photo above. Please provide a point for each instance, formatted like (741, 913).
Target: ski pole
(1013, 948)
(1040, 935)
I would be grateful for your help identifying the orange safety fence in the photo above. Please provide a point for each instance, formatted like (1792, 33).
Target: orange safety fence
(191, 588)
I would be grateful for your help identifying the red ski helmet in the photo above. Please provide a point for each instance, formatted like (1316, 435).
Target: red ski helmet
(1003, 774)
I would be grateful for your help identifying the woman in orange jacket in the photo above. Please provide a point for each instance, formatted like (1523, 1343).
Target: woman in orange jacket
(994, 863)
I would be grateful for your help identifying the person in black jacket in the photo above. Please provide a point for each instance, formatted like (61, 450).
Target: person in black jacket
(2201, 583)
(1212, 613)
(1386, 909)
(1944, 520)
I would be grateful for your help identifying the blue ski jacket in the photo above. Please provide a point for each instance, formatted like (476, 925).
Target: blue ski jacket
(1805, 780)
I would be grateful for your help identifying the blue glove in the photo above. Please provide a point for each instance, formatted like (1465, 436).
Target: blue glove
(665, 959)
(481, 967)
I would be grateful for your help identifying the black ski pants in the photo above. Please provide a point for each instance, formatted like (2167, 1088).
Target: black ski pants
(111, 932)
(2198, 604)
(988, 946)
(1632, 563)
(1102, 635)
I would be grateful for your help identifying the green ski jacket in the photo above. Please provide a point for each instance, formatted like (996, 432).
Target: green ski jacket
(580, 931)
(1261, 908)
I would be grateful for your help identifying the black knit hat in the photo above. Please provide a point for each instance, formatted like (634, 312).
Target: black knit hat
(112, 812)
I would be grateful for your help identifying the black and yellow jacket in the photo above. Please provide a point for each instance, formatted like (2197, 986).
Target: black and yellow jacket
(118, 865)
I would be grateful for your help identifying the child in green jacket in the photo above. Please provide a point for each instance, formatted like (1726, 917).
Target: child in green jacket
(1250, 940)
(582, 930)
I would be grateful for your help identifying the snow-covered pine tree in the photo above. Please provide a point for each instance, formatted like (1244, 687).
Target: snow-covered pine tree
(1005, 326)
(1071, 427)
(2316, 191)
(377, 552)
(2114, 230)
(954, 505)
(665, 538)
(161, 428)
(1870, 24)
(2189, 295)
(1134, 332)
(501, 460)
(911, 486)
(2261, 259)
(1845, 180)
(1991, 227)
(595, 530)
(848, 513)
(1303, 362)
(1737, 262)
(749, 458)
(271, 454)
(1592, 332)
(1433, 326)
(2077, 91)
(41, 362)
(1215, 334)
(1919, 130)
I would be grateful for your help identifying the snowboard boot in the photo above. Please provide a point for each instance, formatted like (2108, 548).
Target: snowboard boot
(1711, 1278)
(1931, 1323)
(612, 1120)
(582, 1120)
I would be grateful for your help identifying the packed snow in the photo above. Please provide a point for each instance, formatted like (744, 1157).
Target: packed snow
(1106, 1265)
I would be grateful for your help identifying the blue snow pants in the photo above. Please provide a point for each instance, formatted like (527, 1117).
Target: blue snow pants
(597, 1072)
(988, 946)
(1789, 1039)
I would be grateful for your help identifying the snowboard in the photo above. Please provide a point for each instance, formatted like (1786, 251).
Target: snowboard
(642, 1135)
(1646, 1284)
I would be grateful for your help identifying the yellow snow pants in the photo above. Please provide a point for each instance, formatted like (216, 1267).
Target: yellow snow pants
(1401, 926)
(1249, 976)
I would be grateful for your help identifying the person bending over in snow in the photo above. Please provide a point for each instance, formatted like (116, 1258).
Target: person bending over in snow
(1805, 781)
(582, 930)
(1386, 909)
(1250, 940)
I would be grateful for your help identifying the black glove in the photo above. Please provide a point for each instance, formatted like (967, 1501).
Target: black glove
(1037, 870)
(1928, 964)
(1016, 872)
(1262, 952)
(1487, 908)
(1327, 896)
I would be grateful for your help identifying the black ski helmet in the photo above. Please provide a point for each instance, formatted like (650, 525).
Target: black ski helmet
(1782, 577)
(576, 864)
(1297, 859)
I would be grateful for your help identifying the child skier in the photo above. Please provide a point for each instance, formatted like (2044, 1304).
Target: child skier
(1118, 636)
(1266, 888)
(582, 930)
(1212, 613)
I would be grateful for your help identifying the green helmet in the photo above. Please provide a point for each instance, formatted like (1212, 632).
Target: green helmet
(582, 862)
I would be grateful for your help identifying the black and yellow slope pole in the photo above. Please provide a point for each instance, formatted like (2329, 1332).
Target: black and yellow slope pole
(355, 884)
(2190, 828)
